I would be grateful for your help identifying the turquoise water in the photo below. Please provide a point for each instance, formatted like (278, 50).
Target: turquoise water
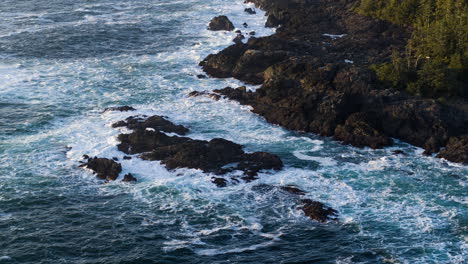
(63, 62)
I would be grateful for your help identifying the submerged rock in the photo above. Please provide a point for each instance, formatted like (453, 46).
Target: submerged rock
(292, 190)
(220, 182)
(105, 169)
(221, 23)
(316, 211)
(124, 108)
(129, 178)
(213, 96)
(250, 11)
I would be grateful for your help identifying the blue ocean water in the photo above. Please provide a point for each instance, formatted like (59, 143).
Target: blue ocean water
(62, 62)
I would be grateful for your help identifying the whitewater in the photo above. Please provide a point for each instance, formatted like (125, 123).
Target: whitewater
(63, 62)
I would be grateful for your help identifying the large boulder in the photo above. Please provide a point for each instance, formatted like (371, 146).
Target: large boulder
(221, 23)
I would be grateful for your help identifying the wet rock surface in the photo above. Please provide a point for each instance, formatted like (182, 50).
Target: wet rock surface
(314, 210)
(213, 96)
(315, 77)
(317, 211)
(124, 108)
(250, 11)
(218, 156)
(154, 122)
(105, 169)
(129, 178)
(456, 150)
(220, 23)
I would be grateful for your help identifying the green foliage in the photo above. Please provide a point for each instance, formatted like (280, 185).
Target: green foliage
(434, 64)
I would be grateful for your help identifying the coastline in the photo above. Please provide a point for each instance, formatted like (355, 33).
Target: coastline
(315, 77)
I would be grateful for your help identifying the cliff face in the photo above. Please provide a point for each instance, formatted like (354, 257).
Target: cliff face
(315, 77)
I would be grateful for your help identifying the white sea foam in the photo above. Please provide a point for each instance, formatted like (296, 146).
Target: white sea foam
(5, 258)
(324, 161)
(334, 36)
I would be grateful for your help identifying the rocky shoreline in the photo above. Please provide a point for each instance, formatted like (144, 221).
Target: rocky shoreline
(315, 77)
(155, 138)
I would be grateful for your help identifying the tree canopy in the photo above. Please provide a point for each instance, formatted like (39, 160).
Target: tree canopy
(435, 59)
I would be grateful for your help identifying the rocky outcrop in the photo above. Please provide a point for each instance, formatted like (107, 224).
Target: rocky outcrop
(105, 169)
(218, 156)
(315, 77)
(456, 150)
(317, 211)
(153, 122)
(358, 131)
(221, 23)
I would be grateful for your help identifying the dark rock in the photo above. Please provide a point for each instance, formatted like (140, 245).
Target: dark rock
(115, 158)
(129, 178)
(272, 21)
(220, 182)
(317, 211)
(456, 150)
(125, 108)
(213, 96)
(141, 141)
(252, 33)
(398, 152)
(358, 132)
(238, 39)
(238, 31)
(201, 76)
(221, 23)
(105, 169)
(85, 156)
(154, 122)
(307, 86)
(209, 156)
(292, 190)
(244, 64)
(197, 154)
(245, 25)
(257, 161)
(127, 157)
(250, 11)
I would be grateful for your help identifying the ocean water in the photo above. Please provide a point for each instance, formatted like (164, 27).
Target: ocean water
(62, 62)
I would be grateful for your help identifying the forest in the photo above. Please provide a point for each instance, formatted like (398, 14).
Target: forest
(433, 64)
